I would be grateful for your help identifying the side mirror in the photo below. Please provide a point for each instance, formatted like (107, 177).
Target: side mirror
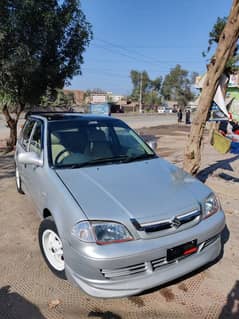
(30, 158)
(152, 144)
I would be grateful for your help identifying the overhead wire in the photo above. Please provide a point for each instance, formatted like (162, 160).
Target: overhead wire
(132, 55)
(149, 59)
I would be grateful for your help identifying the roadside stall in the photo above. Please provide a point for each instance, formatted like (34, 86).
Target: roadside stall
(225, 111)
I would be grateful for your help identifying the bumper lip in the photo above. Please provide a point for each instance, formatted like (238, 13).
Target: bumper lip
(148, 280)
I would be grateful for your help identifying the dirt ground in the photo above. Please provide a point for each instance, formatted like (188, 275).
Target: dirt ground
(28, 290)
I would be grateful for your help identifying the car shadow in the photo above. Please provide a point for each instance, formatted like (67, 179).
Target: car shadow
(223, 164)
(231, 308)
(103, 315)
(6, 166)
(13, 305)
(225, 235)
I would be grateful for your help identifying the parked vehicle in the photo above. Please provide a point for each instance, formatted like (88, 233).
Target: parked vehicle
(116, 218)
(163, 109)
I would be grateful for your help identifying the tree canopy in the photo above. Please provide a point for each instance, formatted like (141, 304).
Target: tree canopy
(41, 47)
(214, 37)
(177, 85)
(150, 88)
(61, 99)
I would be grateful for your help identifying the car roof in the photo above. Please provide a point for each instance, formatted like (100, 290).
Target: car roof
(57, 116)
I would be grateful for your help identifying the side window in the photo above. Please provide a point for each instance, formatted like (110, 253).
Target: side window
(26, 133)
(106, 131)
(130, 142)
(36, 140)
(125, 137)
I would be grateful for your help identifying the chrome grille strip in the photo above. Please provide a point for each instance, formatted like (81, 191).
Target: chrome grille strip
(175, 222)
(120, 274)
(159, 262)
(124, 268)
(130, 270)
(186, 218)
(151, 227)
(209, 241)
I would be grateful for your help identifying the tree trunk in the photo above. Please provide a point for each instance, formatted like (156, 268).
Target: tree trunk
(227, 41)
(13, 136)
(12, 124)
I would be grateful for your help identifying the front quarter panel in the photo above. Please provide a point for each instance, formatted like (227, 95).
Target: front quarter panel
(59, 201)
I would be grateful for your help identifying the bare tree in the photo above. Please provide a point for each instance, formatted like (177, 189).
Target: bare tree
(224, 51)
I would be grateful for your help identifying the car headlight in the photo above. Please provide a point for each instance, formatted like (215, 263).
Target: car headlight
(101, 233)
(211, 205)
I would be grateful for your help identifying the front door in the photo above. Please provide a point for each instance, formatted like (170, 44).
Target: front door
(35, 174)
(22, 147)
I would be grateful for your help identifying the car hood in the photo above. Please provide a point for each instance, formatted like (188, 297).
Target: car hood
(146, 190)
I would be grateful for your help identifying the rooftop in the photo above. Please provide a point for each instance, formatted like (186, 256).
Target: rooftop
(53, 116)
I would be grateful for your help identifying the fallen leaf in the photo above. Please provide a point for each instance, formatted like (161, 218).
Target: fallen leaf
(54, 303)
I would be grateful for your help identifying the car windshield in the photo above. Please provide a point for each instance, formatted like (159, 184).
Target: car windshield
(79, 143)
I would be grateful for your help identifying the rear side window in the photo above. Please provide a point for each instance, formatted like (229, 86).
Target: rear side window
(26, 133)
(36, 140)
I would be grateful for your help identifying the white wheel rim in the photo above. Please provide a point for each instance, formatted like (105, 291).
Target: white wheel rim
(53, 249)
(18, 179)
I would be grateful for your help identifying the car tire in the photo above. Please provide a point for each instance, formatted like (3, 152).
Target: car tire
(18, 181)
(51, 247)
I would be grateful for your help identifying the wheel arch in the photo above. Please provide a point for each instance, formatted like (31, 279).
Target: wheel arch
(59, 225)
(46, 213)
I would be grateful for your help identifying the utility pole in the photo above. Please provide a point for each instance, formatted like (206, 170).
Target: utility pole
(140, 93)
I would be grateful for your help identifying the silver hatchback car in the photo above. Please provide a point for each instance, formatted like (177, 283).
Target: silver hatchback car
(116, 218)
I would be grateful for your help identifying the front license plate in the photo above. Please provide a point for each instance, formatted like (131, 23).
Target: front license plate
(182, 250)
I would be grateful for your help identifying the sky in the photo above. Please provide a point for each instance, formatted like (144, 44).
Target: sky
(150, 35)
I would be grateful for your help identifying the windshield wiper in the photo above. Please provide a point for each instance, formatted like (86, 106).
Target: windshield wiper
(139, 157)
(120, 158)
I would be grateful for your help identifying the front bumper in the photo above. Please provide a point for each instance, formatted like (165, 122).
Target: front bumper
(126, 269)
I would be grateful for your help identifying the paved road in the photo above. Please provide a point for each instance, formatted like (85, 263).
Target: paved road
(147, 120)
(136, 121)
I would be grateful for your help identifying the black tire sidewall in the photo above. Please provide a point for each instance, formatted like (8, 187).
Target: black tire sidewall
(48, 223)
